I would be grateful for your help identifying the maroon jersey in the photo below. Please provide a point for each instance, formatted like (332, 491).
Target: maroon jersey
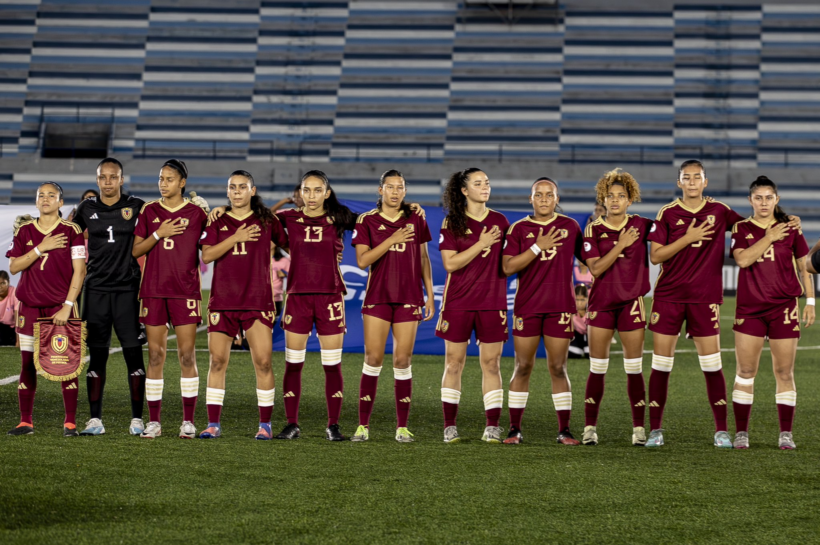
(772, 281)
(171, 269)
(396, 276)
(242, 276)
(481, 284)
(695, 274)
(627, 278)
(47, 281)
(545, 285)
(314, 247)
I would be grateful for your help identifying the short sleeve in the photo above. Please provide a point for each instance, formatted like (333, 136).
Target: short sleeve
(512, 242)
(210, 236)
(77, 244)
(141, 227)
(424, 231)
(446, 239)
(361, 234)
(800, 246)
(739, 240)
(659, 232)
(590, 250)
(732, 218)
(16, 248)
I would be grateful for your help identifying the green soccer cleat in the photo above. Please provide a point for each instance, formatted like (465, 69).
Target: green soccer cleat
(403, 435)
(655, 438)
(362, 434)
(722, 439)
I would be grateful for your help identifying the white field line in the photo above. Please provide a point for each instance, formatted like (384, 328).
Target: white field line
(13, 378)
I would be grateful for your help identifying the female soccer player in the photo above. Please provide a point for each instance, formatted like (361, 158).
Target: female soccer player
(241, 296)
(544, 302)
(315, 297)
(687, 239)
(392, 241)
(168, 233)
(50, 253)
(615, 250)
(475, 296)
(768, 251)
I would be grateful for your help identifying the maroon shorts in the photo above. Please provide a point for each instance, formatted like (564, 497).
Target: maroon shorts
(395, 313)
(629, 317)
(230, 322)
(303, 310)
(27, 316)
(552, 324)
(457, 326)
(702, 319)
(158, 312)
(783, 323)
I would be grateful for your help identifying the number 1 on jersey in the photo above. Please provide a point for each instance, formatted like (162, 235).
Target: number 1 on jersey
(110, 233)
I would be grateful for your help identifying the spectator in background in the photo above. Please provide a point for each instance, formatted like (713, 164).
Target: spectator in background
(8, 311)
(280, 265)
(579, 345)
(597, 212)
(295, 199)
(581, 274)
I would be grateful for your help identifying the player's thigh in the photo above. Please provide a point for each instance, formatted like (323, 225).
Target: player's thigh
(331, 342)
(784, 352)
(632, 342)
(219, 348)
(600, 340)
(296, 341)
(747, 353)
(126, 318)
(557, 349)
(489, 356)
(455, 354)
(707, 346)
(376, 331)
(260, 342)
(186, 338)
(404, 339)
(99, 313)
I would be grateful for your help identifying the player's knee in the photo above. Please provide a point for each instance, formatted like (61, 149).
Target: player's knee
(373, 359)
(263, 366)
(558, 369)
(491, 366)
(156, 357)
(453, 367)
(746, 371)
(187, 359)
(401, 361)
(523, 368)
(784, 375)
(218, 363)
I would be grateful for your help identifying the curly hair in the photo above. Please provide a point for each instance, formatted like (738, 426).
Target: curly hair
(618, 176)
(455, 202)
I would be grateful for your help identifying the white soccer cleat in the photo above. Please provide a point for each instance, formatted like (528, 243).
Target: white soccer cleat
(639, 436)
(187, 430)
(492, 434)
(93, 427)
(590, 436)
(451, 435)
(152, 430)
(137, 426)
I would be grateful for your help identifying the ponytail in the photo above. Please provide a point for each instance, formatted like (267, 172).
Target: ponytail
(763, 181)
(341, 216)
(455, 202)
(403, 206)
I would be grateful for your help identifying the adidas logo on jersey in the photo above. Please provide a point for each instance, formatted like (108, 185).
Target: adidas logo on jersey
(289, 394)
(338, 394)
(680, 222)
(366, 398)
(568, 330)
(796, 328)
(654, 404)
(193, 313)
(404, 400)
(94, 217)
(749, 236)
(721, 402)
(224, 228)
(469, 232)
(29, 243)
(530, 235)
(590, 401)
(300, 220)
(604, 235)
(382, 228)
(156, 220)
(637, 320)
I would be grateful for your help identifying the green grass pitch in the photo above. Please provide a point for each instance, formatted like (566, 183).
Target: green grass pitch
(123, 489)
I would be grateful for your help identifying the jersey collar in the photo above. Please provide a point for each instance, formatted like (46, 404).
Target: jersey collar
(239, 218)
(393, 219)
(552, 219)
(50, 229)
(614, 228)
(482, 218)
(762, 226)
(692, 210)
(162, 204)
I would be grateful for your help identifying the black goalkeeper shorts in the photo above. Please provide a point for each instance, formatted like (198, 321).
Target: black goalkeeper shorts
(121, 309)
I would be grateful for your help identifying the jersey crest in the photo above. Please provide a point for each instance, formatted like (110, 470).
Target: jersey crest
(127, 213)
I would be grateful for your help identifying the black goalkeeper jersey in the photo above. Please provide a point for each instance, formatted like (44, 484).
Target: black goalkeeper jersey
(111, 267)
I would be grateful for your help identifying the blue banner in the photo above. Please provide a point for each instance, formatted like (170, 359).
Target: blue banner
(356, 280)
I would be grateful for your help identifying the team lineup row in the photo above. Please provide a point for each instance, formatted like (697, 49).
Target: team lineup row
(479, 250)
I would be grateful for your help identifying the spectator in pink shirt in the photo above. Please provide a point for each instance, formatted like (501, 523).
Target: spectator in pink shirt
(579, 345)
(8, 311)
(280, 265)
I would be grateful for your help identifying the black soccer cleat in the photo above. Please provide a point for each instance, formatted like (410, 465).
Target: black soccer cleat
(514, 437)
(332, 433)
(70, 432)
(291, 431)
(566, 438)
(22, 429)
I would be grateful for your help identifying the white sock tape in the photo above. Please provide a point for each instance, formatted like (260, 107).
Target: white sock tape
(517, 400)
(662, 363)
(265, 397)
(332, 357)
(710, 363)
(189, 387)
(633, 366)
(370, 370)
(153, 389)
(744, 381)
(295, 356)
(562, 401)
(744, 398)
(26, 343)
(494, 399)
(598, 366)
(786, 398)
(403, 374)
(448, 395)
(214, 396)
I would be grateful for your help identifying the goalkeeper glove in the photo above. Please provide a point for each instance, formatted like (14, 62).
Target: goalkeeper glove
(199, 201)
